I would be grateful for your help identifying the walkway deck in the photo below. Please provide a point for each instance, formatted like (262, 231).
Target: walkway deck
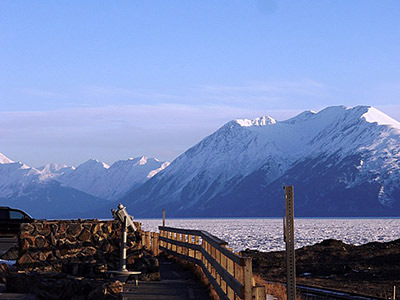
(176, 284)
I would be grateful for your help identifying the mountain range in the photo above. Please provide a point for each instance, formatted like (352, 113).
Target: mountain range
(57, 190)
(342, 162)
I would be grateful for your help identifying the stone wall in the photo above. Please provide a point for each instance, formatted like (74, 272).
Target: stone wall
(77, 247)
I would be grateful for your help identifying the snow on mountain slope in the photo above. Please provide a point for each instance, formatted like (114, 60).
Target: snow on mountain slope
(111, 182)
(4, 159)
(15, 176)
(58, 190)
(358, 146)
(54, 170)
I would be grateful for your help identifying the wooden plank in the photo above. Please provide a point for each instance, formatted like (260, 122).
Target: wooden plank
(212, 239)
(182, 244)
(180, 230)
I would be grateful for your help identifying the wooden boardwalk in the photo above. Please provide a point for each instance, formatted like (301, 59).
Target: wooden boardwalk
(176, 284)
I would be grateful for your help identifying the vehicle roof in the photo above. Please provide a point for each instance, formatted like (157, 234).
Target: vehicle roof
(17, 209)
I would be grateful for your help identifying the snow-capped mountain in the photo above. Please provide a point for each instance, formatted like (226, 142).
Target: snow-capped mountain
(342, 162)
(60, 190)
(112, 182)
(4, 159)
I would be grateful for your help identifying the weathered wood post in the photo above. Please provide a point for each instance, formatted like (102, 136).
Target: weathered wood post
(163, 217)
(148, 240)
(289, 240)
(231, 270)
(259, 292)
(197, 254)
(247, 278)
(143, 239)
(153, 248)
(156, 244)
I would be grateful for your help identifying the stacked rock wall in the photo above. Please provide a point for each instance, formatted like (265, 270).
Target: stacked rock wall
(78, 247)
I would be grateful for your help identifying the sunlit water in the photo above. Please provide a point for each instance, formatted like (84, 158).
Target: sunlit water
(267, 234)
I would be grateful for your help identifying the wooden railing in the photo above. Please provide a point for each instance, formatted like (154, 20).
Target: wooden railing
(230, 274)
(150, 241)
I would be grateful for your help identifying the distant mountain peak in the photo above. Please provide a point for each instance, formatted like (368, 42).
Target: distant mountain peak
(258, 122)
(143, 160)
(305, 115)
(92, 163)
(4, 159)
(53, 167)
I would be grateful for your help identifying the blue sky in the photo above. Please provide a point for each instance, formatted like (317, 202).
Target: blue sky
(118, 79)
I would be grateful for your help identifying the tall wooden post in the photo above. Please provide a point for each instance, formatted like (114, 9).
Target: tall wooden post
(247, 278)
(289, 240)
(163, 217)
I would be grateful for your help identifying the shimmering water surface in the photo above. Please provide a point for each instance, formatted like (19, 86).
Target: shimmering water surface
(267, 234)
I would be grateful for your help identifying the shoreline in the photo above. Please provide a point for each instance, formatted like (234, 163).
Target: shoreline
(371, 269)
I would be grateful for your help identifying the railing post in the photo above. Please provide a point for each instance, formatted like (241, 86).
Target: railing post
(190, 241)
(175, 238)
(156, 244)
(143, 239)
(147, 234)
(247, 278)
(153, 248)
(231, 270)
(197, 254)
(259, 292)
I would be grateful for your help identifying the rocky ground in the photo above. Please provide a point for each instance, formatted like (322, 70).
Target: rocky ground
(370, 269)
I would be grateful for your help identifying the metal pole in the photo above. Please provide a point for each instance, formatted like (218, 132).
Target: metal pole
(122, 262)
(163, 217)
(289, 239)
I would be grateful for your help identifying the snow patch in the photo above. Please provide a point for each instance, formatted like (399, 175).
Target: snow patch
(375, 116)
(4, 159)
(261, 121)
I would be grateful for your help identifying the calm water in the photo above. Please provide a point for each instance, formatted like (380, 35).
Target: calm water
(267, 234)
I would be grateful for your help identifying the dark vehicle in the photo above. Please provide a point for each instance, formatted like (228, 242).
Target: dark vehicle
(11, 219)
